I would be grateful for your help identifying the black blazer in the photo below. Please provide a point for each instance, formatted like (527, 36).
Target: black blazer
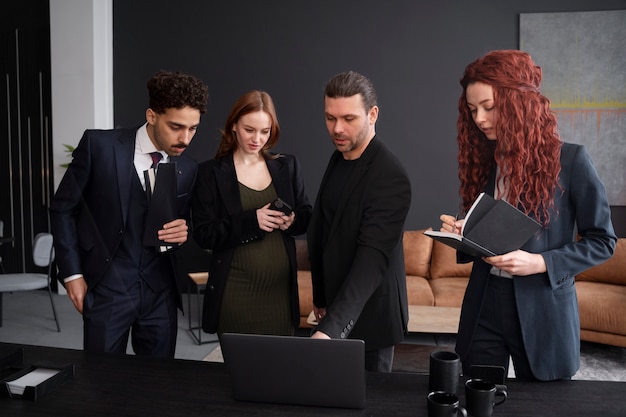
(89, 208)
(220, 224)
(358, 269)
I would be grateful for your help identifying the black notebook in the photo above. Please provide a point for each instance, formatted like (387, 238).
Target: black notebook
(162, 207)
(492, 227)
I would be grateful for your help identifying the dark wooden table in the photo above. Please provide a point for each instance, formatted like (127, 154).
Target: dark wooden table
(107, 385)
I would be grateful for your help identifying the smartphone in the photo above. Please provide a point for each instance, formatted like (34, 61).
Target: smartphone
(280, 205)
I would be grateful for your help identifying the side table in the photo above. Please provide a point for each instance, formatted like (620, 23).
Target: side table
(197, 280)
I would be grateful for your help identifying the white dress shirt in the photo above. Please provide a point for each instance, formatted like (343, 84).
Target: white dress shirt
(143, 148)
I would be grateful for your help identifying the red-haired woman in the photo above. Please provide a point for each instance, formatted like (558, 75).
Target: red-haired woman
(523, 304)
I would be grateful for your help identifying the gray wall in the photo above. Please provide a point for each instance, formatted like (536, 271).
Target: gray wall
(413, 51)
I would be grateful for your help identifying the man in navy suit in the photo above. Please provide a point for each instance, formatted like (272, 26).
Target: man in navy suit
(355, 233)
(121, 286)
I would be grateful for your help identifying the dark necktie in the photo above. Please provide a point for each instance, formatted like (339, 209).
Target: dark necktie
(156, 157)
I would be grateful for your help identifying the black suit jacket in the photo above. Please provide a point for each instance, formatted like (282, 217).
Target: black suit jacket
(89, 208)
(220, 224)
(358, 269)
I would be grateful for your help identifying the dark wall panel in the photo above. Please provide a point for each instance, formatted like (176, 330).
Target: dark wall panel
(414, 52)
(25, 129)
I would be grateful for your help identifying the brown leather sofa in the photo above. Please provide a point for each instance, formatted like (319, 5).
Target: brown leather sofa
(601, 294)
(435, 279)
(305, 287)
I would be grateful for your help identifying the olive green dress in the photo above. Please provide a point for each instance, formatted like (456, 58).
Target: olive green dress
(258, 289)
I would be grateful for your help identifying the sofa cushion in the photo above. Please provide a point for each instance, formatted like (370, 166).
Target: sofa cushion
(417, 251)
(418, 291)
(613, 271)
(602, 337)
(601, 307)
(449, 292)
(443, 263)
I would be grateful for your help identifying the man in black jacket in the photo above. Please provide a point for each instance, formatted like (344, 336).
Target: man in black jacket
(355, 234)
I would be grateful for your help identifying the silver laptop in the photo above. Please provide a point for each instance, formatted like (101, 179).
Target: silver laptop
(296, 370)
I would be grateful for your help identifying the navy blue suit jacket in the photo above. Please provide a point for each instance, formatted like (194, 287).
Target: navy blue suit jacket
(220, 224)
(547, 303)
(90, 205)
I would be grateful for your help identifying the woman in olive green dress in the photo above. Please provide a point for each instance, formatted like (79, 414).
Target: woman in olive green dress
(252, 285)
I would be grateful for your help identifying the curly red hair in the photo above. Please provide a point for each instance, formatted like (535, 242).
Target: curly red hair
(528, 145)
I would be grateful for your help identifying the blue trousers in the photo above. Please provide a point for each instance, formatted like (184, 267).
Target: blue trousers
(151, 319)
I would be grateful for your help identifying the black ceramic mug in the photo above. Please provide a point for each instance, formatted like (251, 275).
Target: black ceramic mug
(445, 368)
(480, 397)
(444, 404)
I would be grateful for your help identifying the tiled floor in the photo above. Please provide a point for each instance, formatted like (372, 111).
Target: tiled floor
(27, 319)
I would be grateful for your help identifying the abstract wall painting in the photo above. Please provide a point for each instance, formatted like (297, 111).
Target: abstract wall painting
(583, 58)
